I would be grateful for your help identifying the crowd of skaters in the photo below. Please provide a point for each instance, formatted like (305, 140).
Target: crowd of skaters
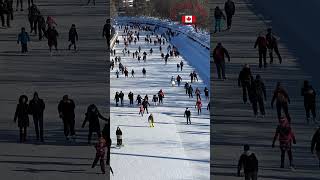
(158, 42)
(254, 93)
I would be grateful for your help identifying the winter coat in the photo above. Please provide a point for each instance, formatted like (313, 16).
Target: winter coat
(119, 134)
(23, 37)
(261, 42)
(229, 8)
(101, 147)
(245, 76)
(150, 119)
(258, 89)
(93, 115)
(22, 113)
(187, 113)
(67, 109)
(36, 107)
(281, 96)
(52, 35)
(271, 41)
(249, 162)
(285, 134)
(219, 54)
(315, 143)
(309, 94)
(218, 14)
(73, 35)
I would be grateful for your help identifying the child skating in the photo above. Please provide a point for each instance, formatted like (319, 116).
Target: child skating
(100, 153)
(151, 120)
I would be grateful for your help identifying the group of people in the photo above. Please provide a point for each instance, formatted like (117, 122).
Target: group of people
(254, 93)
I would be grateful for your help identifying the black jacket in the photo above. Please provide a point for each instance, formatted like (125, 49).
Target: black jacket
(315, 143)
(67, 109)
(36, 108)
(73, 35)
(309, 94)
(244, 76)
(249, 162)
(229, 8)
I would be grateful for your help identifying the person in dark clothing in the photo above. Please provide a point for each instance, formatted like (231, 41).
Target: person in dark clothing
(282, 101)
(181, 65)
(258, 95)
(309, 95)
(52, 35)
(218, 15)
(315, 144)
(161, 96)
(145, 105)
(272, 45)
(8, 10)
(249, 162)
(92, 116)
(73, 37)
(36, 109)
(130, 96)
(33, 16)
(144, 72)
(139, 99)
(187, 114)
(21, 115)
(191, 77)
(121, 96)
(23, 38)
(244, 81)
(2, 12)
(66, 113)
(119, 136)
(286, 137)
(41, 26)
(190, 91)
(219, 59)
(261, 42)
(206, 93)
(106, 32)
(186, 87)
(117, 98)
(229, 9)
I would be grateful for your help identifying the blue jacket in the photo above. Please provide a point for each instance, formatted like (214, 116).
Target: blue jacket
(23, 38)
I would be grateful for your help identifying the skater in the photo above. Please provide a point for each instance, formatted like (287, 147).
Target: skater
(206, 93)
(181, 65)
(315, 144)
(198, 106)
(309, 95)
(191, 77)
(121, 95)
(173, 82)
(151, 120)
(23, 38)
(286, 138)
(130, 96)
(218, 15)
(92, 116)
(139, 99)
(179, 79)
(66, 113)
(41, 26)
(155, 99)
(272, 45)
(119, 136)
(144, 72)
(261, 42)
(22, 115)
(117, 73)
(178, 67)
(161, 96)
(190, 91)
(229, 9)
(132, 73)
(73, 37)
(258, 95)
(106, 32)
(198, 93)
(208, 106)
(282, 101)
(36, 109)
(100, 153)
(186, 87)
(33, 16)
(218, 55)
(7, 8)
(52, 35)
(244, 81)
(117, 98)
(145, 105)
(126, 73)
(249, 162)
(187, 114)
(141, 110)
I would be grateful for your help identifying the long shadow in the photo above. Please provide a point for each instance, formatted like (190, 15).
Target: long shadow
(43, 163)
(45, 157)
(162, 157)
(71, 171)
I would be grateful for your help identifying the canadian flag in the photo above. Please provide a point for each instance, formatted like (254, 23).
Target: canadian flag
(189, 19)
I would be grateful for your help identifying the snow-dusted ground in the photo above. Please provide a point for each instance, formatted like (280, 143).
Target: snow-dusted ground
(171, 150)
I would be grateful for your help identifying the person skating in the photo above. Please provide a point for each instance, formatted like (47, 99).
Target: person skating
(272, 45)
(151, 120)
(229, 9)
(244, 81)
(41, 26)
(173, 82)
(92, 116)
(121, 96)
(261, 42)
(219, 54)
(191, 77)
(36, 109)
(195, 76)
(2, 12)
(249, 163)
(52, 35)
(23, 38)
(130, 96)
(155, 99)
(66, 113)
(21, 115)
(258, 95)
(161, 96)
(208, 106)
(286, 137)
(106, 32)
(315, 144)
(206, 93)
(8, 10)
(282, 100)
(309, 95)
(198, 106)
(119, 136)
(73, 37)
(145, 105)
(190, 91)
(198, 93)
(144, 72)
(186, 87)
(187, 114)
(179, 79)
(33, 17)
(181, 65)
(117, 73)
(141, 110)
(100, 154)
(139, 99)
(117, 98)
(126, 72)
(218, 15)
